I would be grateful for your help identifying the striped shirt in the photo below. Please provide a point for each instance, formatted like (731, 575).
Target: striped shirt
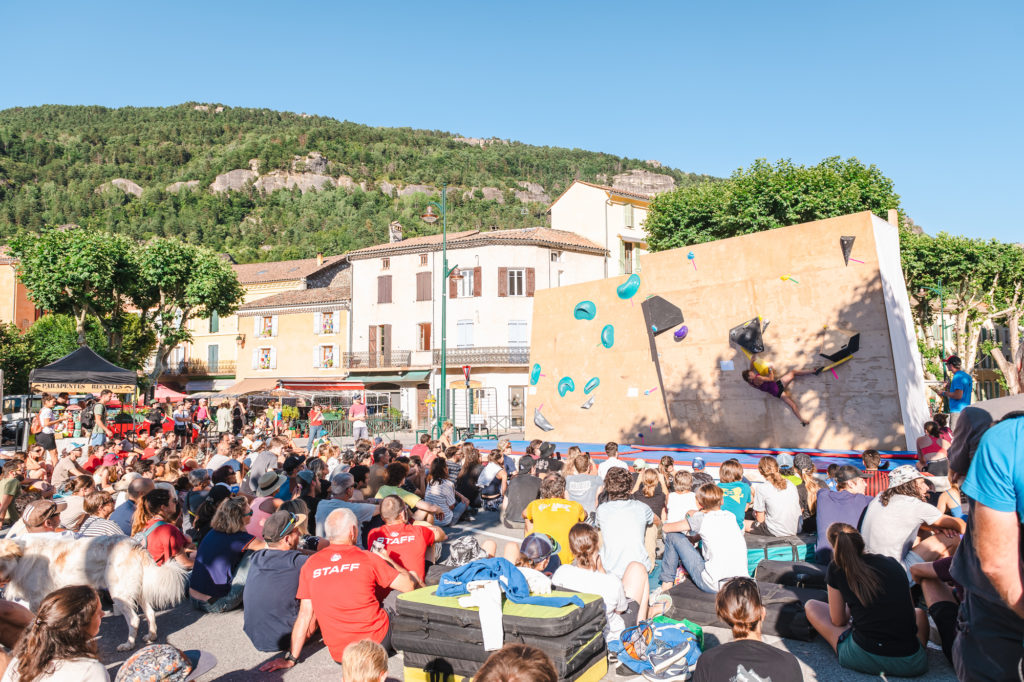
(95, 526)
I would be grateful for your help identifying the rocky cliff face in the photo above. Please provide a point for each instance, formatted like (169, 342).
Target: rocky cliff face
(409, 190)
(176, 187)
(490, 194)
(532, 192)
(126, 186)
(276, 180)
(313, 162)
(643, 181)
(236, 180)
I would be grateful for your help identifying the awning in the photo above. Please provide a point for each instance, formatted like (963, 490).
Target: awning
(417, 375)
(246, 386)
(316, 386)
(82, 371)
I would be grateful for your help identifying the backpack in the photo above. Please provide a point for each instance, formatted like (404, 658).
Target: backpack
(88, 419)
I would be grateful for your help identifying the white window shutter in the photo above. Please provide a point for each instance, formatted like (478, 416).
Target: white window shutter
(335, 356)
(337, 321)
(255, 358)
(273, 325)
(318, 319)
(273, 356)
(256, 325)
(316, 357)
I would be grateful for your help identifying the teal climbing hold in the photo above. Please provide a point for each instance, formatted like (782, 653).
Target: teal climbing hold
(566, 385)
(608, 336)
(534, 374)
(591, 385)
(585, 310)
(629, 288)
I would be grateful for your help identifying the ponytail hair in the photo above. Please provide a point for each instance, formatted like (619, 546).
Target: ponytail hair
(769, 468)
(848, 555)
(739, 606)
(932, 429)
(147, 507)
(59, 632)
(585, 543)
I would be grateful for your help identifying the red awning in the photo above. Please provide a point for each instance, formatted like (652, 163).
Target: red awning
(313, 385)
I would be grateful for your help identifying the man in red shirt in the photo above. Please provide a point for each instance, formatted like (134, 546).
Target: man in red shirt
(405, 543)
(875, 479)
(421, 449)
(338, 586)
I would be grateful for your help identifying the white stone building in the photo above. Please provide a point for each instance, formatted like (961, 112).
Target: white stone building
(396, 317)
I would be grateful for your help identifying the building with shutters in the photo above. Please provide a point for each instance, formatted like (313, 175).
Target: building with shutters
(613, 218)
(15, 305)
(396, 317)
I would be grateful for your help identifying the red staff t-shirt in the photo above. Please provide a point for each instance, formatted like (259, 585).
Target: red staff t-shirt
(406, 544)
(341, 581)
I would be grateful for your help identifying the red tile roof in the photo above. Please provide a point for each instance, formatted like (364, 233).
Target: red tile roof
(282, 271)
(303, 297)
(612, 190)
(526, 236)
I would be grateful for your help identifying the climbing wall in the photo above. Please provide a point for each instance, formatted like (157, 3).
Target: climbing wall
(648, 358)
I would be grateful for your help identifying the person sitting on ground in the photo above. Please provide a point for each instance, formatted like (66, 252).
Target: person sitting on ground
(584, 485)
(364, 661)
(343, 490)
(408, 545)
(338, 588)
(207, 510)
(625, 599)
(845, 505)
(738, 605)
(222, 559)
(554, 515)
(98, 506)
(441, 492)
(43, 517)
(951, 500)
(623, 522)
(60, 642)
(517, 663)
(876, 480)
(736, 493)
(192, 498)
(723, 552)
(667, 473)
(422, 510)
(422, 448)
(650, 493)
(493, 481)
(74, 512)
(270, 605)
(895, 519)
(932, 451)
(153, 526)
(10, 488)
(469, 473)
(537, 552)
(548, 460)
(125, 512)
(943, 595)
(682, 499)
(777, 387)
(66, 467)
(945, 433)
(522, 490)
(776, 502)
(830, 476)
(265, 502)
(807, 490)
(611, 451)
(870, 619)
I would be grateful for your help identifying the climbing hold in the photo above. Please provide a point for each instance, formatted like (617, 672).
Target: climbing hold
(535, 374)
(846, 244)
(540, 422)
(660, 315)
(608, 336)
(748, 335)
(789, 278)
(587, 405)
(629, 288)
(692, 262)
(591, 385)
(565, 385)
(681, 333)
(585, 310)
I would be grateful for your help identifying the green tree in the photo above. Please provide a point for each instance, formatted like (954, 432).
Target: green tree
(15, 358)
(53, 336)
(764, 197)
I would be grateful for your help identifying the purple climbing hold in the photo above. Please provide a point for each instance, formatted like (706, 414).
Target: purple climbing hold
(681, 333)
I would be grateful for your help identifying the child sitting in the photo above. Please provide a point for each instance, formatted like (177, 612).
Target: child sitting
(683, 500)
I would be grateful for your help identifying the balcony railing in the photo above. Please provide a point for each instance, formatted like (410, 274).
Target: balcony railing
(393, 358)
(200, 368)
(486, 355)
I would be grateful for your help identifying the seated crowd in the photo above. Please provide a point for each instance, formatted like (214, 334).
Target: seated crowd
(319, 544)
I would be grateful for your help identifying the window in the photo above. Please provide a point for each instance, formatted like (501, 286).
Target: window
(627, 211)
(517, 335)
(212, 357)
(266, 326)
(264, 358)
(627, 258)
(423, 342)
(465, 285)
(384, 289)
(326, 356)
(423, 260)
(423, 291)
(516, 282)
(214, 322)
(556, 256)
(326, 323)
(385, 263)
(464, 334)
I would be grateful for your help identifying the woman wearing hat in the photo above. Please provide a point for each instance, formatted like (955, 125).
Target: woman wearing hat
(264, 504)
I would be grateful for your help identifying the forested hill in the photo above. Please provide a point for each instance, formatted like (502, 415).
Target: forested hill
(269, 185)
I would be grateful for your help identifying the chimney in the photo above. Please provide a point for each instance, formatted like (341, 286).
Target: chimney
(320, 258)
(395, 232)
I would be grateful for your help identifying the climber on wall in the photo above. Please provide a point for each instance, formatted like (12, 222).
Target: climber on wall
(777, 387)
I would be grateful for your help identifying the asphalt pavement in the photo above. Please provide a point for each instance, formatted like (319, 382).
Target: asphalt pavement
(221, 635)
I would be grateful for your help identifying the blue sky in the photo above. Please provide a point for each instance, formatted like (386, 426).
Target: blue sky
(931, 93)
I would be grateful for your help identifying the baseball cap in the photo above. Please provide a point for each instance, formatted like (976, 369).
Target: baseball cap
(547, 449)
(802, 461)
(784, 460)
(903, 474)
(292, 463)
(538, 547)
(848, 473)
(697, 464)
(37, 513)
(160, 662)
(953, 360)
(280, 523)
(525, 464)
(639, 464)
(306, 475)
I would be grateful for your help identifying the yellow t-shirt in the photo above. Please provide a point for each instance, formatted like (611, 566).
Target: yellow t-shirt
(411, 499)
(555, 517)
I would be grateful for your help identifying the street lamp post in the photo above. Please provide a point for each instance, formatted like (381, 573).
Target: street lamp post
(431, 218)
(942, 333)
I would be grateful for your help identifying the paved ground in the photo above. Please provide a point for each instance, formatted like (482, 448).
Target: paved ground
(222, 635)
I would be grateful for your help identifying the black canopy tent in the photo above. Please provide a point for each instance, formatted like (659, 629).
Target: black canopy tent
(82, 371)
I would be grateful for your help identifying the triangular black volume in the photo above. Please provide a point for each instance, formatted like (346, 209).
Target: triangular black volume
(748, 336)
(660, 315)
(847, 245)
(839, 343)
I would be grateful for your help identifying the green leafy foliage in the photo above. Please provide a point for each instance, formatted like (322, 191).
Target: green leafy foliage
(16, 359)
(53, 159)
(766, 196)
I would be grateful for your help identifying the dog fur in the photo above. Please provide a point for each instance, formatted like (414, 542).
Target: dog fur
(34, 566)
